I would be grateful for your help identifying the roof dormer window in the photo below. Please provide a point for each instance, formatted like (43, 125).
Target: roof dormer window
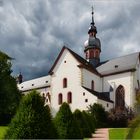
(116, 66)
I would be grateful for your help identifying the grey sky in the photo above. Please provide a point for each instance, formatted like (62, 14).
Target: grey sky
(34, 31)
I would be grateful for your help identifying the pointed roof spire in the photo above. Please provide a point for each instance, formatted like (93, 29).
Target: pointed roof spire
(92, 23)
(93, 27)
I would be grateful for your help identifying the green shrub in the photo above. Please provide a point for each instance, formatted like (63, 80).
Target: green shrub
(65, 123)
(83, 123)
(32, 120)
(117, 119)
(90, 120)
(133, 125)
(98, 114)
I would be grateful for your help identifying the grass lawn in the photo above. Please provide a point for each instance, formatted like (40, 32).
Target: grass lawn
(137, 134)
(2, 131)
(117, 133)
(121, 133)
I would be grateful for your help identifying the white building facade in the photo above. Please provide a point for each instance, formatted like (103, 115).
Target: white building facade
(81, 82)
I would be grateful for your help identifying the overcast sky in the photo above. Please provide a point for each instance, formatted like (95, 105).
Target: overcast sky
(34, 31)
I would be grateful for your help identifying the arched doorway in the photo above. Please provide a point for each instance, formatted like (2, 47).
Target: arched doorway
(120, 98)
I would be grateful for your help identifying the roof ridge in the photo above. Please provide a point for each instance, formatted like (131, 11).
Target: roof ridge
(123, 56)
(84, 63)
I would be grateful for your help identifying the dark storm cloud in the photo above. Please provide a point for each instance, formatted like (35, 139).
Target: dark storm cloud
(33, 32)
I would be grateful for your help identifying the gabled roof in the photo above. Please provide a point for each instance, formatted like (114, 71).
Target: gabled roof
(120, 64)
(83, 63)
(100, 95)
(35, 83)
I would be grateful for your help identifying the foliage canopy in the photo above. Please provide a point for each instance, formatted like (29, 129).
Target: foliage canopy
(32, 120)
(9, 94)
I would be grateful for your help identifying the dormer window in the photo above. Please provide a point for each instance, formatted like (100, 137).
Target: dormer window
(65, 83)
(116, 66)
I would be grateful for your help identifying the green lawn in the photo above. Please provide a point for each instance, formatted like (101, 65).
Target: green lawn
(121, 133)
(2, 131)
(117, 133)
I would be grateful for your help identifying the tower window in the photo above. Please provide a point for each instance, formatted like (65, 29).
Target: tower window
(91, 53)
(96, 54)
(92, 85)
(64, 82)
(69, 97)
(83, 93)
(60, 98)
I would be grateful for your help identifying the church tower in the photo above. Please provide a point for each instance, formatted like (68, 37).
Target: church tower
(92, 45)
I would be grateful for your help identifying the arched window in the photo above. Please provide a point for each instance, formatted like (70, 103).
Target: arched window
(92, 85)
(120, 97)
(69, 97)
(60, 98)
(64, 82)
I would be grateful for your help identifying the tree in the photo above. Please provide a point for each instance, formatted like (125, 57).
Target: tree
(32, 120)
(82, 123)
(99, 115)
(9, 94)
(65, 123)
(134, 125)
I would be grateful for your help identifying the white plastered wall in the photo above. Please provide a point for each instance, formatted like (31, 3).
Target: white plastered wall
(124, 79)
(87, 77)
(67, 67)
(106, 105)
(136, 78)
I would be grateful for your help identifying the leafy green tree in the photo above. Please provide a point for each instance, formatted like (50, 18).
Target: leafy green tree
(83, 123)
(65, 123)
(99, 115)
(9, 94)
(32, 120)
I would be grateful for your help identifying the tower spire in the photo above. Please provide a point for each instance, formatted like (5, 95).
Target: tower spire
(92, 45)
(92, 23)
